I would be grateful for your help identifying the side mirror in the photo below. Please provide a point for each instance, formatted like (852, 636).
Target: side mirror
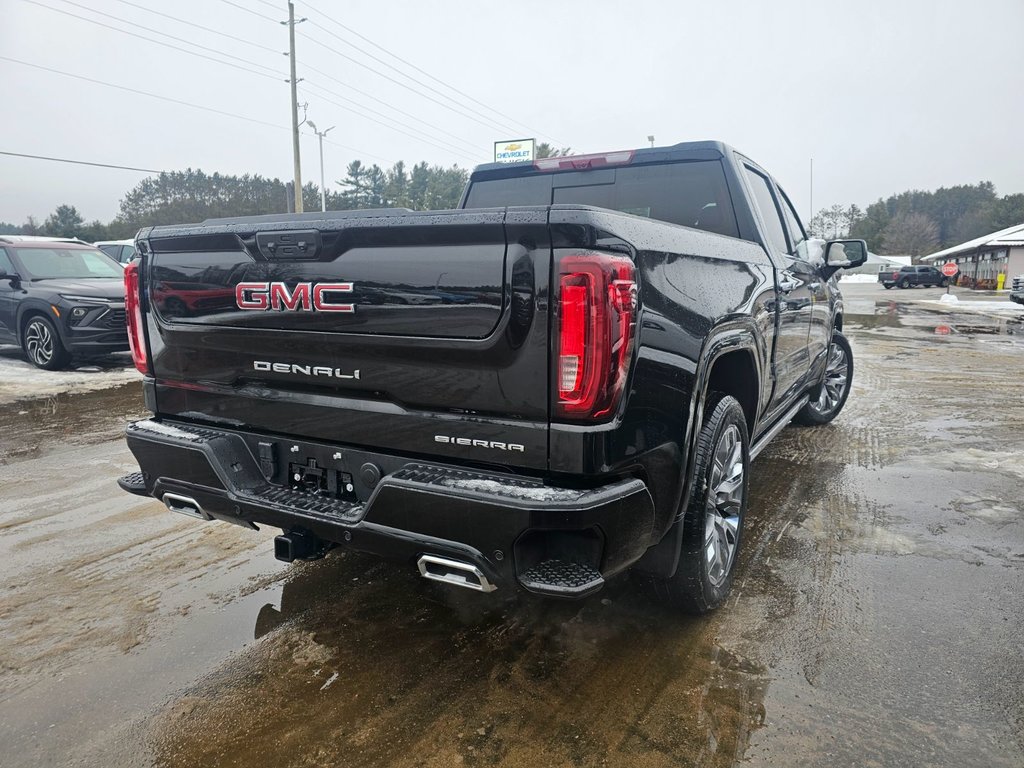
(845, 254)
(15, 279)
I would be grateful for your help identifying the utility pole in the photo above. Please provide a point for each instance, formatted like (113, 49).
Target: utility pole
(295, 105)
(323, 188)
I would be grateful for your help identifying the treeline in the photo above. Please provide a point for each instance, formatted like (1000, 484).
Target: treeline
(193, 195)
(917, 223)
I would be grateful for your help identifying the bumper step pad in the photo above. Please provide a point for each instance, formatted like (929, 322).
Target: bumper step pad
(561, 577)
(318, 506)
(133, 483)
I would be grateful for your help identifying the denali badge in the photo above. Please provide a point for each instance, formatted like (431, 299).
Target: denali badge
(304, 370)
(307, 297)
(479, 443)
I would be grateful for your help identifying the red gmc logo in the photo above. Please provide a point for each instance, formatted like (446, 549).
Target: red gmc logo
(304, 297)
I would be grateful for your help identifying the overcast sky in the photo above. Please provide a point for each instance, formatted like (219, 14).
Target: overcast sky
(885, 96)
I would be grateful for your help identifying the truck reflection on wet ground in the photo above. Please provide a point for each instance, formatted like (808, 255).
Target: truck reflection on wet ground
(364, 664)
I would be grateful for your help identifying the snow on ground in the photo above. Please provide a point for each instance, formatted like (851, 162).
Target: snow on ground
(20, 380)
(977, 306)
(858, 279)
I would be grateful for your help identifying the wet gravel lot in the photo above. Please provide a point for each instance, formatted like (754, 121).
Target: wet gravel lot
(877, 617)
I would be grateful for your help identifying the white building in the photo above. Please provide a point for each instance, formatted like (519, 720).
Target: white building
(984, 259)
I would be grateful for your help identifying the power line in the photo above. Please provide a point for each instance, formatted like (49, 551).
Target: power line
(370, 96)
(421, 71)
(165, 34)
(156, 42)
(469, 110)
(458, 144)
(460, 150)
(177, 101)
(81, 162)
(142, 93)
(398, 82)
(199, 26)
(419, 137)
(250, 10)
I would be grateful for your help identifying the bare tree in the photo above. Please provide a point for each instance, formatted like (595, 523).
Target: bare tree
(544, 149)
(911, 233)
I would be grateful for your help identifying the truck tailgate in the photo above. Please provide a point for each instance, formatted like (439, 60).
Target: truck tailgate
(416, 332)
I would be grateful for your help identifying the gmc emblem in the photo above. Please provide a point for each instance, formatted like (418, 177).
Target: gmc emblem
(304, 297)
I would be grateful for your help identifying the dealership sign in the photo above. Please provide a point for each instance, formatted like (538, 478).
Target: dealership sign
(518, 151)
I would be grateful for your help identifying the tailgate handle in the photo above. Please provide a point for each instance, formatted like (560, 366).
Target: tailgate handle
(292, 245)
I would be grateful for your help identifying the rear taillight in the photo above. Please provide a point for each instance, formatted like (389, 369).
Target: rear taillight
(133, 311)
(895, 275)
(596, 320)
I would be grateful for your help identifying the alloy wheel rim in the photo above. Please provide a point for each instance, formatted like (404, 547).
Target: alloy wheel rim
(39, 343)
(724, 503)
(837, 379)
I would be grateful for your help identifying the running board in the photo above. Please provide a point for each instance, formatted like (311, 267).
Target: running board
(780, 425)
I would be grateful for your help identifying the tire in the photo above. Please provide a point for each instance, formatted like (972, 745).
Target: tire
(713, 520)
(905, 282)
(828, 400)
(944, 283)
(887, 286)
(42, 345)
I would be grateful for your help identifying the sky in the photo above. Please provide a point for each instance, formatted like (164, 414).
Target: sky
(884, 96)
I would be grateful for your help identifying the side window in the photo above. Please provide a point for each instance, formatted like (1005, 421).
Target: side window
(797, 236)
(127, 252)
(765, 201)
(6, 267)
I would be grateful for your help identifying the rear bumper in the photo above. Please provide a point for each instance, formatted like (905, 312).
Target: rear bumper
(506, 526)
(1017, 296)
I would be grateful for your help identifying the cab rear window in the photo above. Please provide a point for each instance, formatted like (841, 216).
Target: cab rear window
(694, 194)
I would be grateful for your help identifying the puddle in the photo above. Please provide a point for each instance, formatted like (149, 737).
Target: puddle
(78, 418)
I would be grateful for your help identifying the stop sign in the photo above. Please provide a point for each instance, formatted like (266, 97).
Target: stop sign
(950, 269)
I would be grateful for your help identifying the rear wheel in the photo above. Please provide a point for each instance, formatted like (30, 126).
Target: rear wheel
(887, 286)
(944, 283)
(42, 344)
(826, 403)
(713, 521)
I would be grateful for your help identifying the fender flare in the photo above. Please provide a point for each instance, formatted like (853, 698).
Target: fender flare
(735, 335)
(36, 306)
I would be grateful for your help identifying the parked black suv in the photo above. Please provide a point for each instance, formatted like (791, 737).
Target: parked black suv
(59, 297)
(909, 276)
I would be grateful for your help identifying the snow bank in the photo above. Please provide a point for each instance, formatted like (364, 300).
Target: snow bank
(20, 380)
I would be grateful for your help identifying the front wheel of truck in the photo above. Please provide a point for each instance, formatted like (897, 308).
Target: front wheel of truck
(827, 401)
(713, 522)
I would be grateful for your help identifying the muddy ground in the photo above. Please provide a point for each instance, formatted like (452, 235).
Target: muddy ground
(877, 617)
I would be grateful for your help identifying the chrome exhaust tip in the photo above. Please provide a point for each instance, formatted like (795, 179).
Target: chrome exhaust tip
(454, 572)
(185, 505)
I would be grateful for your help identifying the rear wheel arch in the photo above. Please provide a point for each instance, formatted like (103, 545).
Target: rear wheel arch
(734, 373)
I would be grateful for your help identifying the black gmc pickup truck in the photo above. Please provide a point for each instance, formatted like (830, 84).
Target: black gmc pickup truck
(565, 378)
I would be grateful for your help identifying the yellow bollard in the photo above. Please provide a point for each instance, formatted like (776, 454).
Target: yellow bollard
(1000, 282)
